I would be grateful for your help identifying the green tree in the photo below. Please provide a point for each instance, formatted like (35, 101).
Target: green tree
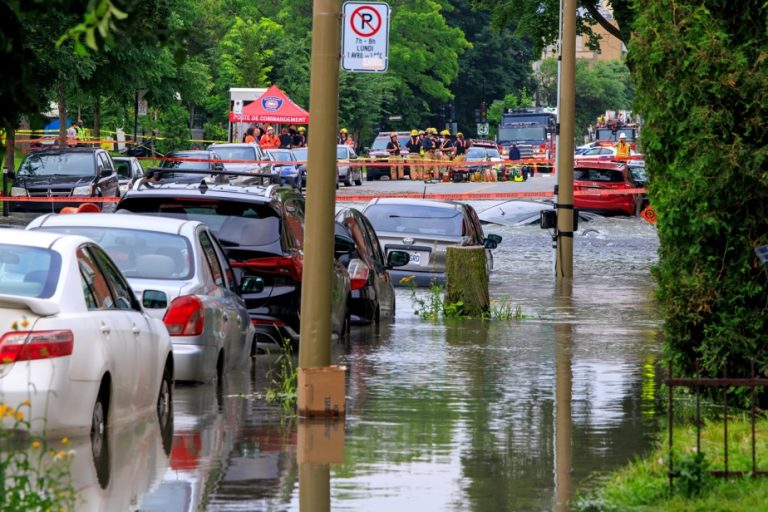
(701, 89)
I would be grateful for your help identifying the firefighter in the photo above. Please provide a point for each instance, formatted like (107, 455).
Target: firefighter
(447, 149)
(414, 154)
(393, 148)
(623, 149)
(429, 146)
(344, 138)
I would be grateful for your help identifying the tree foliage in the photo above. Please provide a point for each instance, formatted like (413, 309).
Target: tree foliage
(702, 81)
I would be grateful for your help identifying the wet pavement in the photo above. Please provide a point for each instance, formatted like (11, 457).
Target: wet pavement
(456, 415)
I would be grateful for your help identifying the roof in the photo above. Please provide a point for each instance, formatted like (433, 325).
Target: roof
(274, 106)
(598, 164)
(448, 205)
(214, 191)
(126, 221)
(42, 239)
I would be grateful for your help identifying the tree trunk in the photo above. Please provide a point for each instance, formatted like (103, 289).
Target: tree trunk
(62, 117)
(97, 118)
(10, 143)
(466, 279)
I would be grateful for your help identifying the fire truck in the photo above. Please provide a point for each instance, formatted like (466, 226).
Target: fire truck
(533, 130)
(611, 125)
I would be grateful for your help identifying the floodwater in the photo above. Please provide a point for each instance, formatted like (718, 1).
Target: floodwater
(464, 415)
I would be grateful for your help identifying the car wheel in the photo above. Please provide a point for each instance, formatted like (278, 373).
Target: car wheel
(164, 399)
(99, 443)
(220, 366)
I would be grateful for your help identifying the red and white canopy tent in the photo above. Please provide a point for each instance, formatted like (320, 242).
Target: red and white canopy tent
(274, 106)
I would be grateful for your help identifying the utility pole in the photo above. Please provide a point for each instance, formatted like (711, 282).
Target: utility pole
(567, 111)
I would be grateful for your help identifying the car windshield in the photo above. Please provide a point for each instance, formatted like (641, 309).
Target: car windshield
(415, 219)
(280, 156)
(342, 153)
(58, 164)
(200, 162)
(380, 144)
(530, 134)
(235, 153)
(139, 253)
(613, 135)
(476, 153)
(28, 271)
(300, 154)
(605, 175)
(234, 223)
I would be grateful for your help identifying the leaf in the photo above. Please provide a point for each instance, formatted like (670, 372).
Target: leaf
(117, 13)
(90, 39)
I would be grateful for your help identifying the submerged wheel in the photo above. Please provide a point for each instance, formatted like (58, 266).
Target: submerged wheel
(164, 399)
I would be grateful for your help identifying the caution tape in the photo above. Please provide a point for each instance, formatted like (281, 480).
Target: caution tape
(481, 196)
(59, 199)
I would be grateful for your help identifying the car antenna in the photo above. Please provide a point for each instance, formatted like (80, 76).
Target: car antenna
(424, 194)
(203, 186)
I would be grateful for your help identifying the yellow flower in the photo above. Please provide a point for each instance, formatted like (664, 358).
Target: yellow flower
(15, 326)
(25, 323)
(19, 415)
(3, 410)
(35, 444)
(25, 402)
(64, 440)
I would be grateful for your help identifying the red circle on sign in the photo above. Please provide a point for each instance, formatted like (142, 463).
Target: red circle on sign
(374, 28)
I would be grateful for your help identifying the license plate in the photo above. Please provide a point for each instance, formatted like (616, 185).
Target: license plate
(419, 258)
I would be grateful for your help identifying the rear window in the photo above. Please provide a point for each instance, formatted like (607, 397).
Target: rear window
(139, 253)
(605, 175)
(28, 271)
(235, 153)
(123, 169)
(416, 219)
(234, 223)
(199, 163)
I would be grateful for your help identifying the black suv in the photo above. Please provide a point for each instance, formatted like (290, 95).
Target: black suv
(63, 172)
(262, 231)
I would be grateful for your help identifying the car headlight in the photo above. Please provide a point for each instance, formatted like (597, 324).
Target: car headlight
(85, 190)
(124, 188)
(18, 192)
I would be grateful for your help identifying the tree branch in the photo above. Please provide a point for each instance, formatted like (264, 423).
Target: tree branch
(591, 8)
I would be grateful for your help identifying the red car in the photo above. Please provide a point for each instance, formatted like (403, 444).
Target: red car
(611, 178)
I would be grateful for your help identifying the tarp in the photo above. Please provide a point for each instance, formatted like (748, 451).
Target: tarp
(53, 126)
(274, 106)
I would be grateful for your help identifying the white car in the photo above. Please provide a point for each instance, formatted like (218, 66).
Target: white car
(77, 351)
(181, 274)
(600, 153)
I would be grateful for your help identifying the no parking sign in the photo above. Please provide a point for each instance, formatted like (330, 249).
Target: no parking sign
(365, 37)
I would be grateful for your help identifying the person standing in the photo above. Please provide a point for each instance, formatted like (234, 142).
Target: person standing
(447, 149)
(430, 153)
(344, 137)
(623, 149)
(72, 135)
(286, 141)
(299, 140)
(393, 148)
(514, 152)
(414, 154)
(249, 138)
(269, 140)
(81, 135)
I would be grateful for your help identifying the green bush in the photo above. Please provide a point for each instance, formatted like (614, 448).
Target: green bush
(701, 79)
(173, 122)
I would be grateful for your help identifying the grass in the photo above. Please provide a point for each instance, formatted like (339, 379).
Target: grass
(644, 485)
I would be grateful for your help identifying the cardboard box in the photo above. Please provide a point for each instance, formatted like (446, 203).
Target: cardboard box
(321, 392)
(320, 441)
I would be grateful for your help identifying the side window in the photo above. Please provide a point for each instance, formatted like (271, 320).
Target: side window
(210, 257)
(104, 162)
(375, 244)
(95, 288)
(120, 288)
(229, 274)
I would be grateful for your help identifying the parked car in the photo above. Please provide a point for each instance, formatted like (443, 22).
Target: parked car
(284, 164)
(175, 164)
(183, 277)
(481, 157)
(75, 341)
(301, 159)
(600, 153)
(347, 167)
(613, 177)
(424, 229)
(261, 230)
(63, 172)
(379, 154)
(241, 157)
(129, 171)
(372, 296)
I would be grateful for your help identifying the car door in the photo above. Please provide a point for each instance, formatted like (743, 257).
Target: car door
(229, 323)
(384, 289)
(119, 349)
(107, 178)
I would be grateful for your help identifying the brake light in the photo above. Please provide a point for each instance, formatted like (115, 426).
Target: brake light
(185, 316)
(290, 266)
(264, 321)
(358, 274)
(31, 345)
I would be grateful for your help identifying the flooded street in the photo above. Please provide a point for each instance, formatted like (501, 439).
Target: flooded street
(457, 415)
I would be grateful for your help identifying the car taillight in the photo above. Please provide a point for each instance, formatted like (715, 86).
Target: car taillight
(185, 316)
(30, 345)
(290, 266)
(358, 274)
(265, 321)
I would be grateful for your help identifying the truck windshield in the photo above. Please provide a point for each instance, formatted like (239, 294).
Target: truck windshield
(613, 135)
(529, 133)
(58, 164)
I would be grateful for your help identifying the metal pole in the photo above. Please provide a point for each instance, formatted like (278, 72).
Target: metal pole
(136, 119)
(564, 252)
(317, 285)
(563, 396)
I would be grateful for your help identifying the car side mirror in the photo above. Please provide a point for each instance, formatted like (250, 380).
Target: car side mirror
(154, 299)
(490, 244)
(343, 245)
(252, 284)
(397, 259)
(494, 237)
(105, 173)
(218, 166)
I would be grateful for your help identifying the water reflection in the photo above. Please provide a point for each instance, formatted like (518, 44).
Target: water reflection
(464, 415)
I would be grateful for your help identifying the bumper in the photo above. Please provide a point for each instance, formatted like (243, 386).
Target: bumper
(421, 279)
(194, 363)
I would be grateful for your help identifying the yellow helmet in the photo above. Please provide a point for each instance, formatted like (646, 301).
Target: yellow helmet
(343, 130)
(459, 134)
(445, 132)
(301, 128)
(414, 133)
